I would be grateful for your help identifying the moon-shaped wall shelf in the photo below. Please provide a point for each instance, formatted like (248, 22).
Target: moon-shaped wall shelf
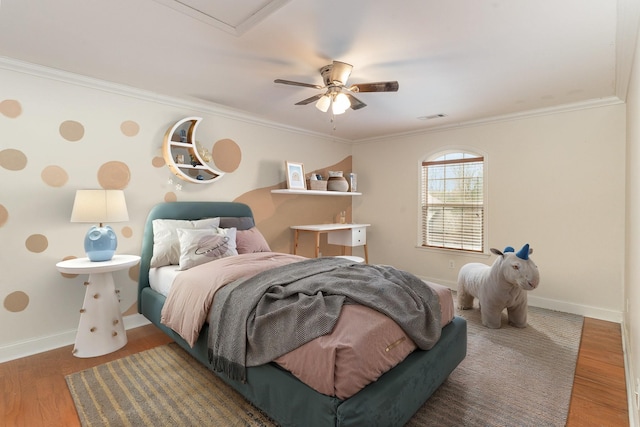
(181, 153)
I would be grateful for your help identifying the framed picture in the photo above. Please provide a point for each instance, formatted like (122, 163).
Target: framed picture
(295, 176)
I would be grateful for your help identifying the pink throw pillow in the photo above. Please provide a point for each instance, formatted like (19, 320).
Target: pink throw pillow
(250, 241)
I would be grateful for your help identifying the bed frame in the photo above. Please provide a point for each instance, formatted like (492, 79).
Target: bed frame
(390, 401)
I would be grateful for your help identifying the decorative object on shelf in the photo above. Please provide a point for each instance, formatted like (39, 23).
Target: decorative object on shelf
(318, 185)
(180, 140)
(353, 182)
(295, 176)
(100, 206)
(315, 182)
(180, 159)
(337, 182)
(204, 153)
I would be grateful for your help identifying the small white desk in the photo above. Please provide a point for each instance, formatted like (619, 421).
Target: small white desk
(338, 234)
(101, 330)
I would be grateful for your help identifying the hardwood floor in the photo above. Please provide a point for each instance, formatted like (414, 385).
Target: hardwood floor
(599, 396)
(34, 391)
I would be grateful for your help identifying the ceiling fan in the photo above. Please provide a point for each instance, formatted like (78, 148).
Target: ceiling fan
(336, 93)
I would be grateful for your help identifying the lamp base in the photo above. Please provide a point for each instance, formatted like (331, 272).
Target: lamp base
(100, 243)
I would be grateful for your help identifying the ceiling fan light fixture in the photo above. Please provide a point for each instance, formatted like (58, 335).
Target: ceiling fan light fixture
(340, 103)
(323, 103)
(335, 77)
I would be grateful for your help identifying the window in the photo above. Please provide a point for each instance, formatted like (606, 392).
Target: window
(453, 202)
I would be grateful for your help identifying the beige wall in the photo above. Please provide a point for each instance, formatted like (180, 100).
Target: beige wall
(62, 132)
(632, 270)
(555, 181)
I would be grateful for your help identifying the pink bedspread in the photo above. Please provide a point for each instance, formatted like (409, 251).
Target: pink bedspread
(191, 296)
(343, 362)
(363, 345)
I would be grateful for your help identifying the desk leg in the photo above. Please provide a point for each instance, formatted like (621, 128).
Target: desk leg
(295, 242)
(317, 244)
(101, 330)
(366, 254)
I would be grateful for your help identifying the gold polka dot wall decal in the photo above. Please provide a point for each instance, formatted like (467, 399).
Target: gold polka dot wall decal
(170, 197)
(16, 301)
(158, 162)
(226, 155)
(127, 232)
(10, 108)
(114, 175)
(4, 215)
(54, 176)
(130, 128)
(134, 272)
(71, 130)
(12, 159)
(67, 275)
(37, 243)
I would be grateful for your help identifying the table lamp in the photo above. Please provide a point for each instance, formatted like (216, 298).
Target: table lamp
(100, 206)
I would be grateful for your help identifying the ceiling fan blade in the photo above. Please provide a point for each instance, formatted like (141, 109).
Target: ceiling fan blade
(356, 104)
(310, 100)
(289, 82)
(375, 87)
(340, 72)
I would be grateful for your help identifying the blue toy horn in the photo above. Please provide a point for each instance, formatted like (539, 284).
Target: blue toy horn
(509, 249)
(524, 252)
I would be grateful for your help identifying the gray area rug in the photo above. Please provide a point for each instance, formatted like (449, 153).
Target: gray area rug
(510, 377)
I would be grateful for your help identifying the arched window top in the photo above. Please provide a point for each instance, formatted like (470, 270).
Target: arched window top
(453, 155)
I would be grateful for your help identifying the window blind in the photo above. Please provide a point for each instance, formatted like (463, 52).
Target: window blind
(453, 203)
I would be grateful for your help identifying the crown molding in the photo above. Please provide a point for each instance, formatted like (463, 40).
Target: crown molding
(23, 67)
(626, 38)
(583, 105)
(49, 73)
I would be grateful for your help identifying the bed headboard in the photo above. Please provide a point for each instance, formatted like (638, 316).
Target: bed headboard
(182, 210)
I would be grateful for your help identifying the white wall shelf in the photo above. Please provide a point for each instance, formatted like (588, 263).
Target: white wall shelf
(317, 192)
(198, 171)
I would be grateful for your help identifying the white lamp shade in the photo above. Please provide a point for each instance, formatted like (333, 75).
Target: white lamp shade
(340, 103)
(98, 206)
(323, 103)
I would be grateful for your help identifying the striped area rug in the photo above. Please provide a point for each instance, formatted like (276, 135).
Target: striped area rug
(163, 386)
(510, 377)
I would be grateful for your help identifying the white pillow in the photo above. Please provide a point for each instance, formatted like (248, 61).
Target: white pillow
(166, 246)
(201, 246)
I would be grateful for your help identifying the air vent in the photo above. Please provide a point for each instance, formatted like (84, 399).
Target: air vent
(431, 117)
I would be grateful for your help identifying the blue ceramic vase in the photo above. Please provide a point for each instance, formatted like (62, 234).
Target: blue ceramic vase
(100, 243)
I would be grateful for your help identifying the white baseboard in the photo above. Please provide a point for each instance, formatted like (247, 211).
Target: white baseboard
(50, 342)
(556, 305)
(628, 373)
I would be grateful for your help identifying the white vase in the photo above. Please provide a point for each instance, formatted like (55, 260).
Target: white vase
(337, 183)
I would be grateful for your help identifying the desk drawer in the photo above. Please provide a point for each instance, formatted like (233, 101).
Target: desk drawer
(352, 237)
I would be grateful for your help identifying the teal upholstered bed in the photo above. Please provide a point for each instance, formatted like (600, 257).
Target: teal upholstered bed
(390, 401)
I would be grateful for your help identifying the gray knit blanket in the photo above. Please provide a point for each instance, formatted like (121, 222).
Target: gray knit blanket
(253, 321)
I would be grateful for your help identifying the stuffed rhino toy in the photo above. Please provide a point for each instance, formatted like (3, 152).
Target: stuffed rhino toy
(501, 285)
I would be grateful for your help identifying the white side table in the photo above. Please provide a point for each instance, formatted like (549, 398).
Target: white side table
(101, 330)
(338, 234)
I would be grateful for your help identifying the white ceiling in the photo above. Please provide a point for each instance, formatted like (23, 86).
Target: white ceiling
(467, 59)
